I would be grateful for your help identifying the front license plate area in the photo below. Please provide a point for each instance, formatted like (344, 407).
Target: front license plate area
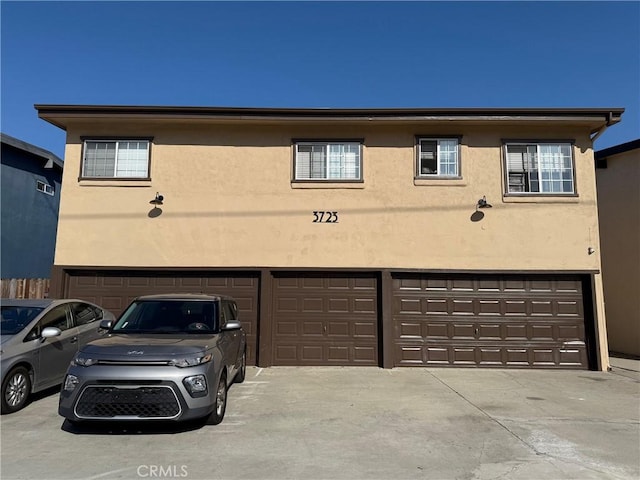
(125, 396)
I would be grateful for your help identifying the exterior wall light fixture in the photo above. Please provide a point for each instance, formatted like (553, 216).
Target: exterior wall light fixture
(158, 200)
(482, 203)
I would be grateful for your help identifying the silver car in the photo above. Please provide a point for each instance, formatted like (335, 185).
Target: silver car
(168, 357)
(38, 340)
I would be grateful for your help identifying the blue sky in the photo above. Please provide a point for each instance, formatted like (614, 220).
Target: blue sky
(318, 54)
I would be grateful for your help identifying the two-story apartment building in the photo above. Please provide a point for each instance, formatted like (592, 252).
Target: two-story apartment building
(389, 237)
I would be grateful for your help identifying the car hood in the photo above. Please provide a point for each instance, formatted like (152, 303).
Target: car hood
(147, 346)
(6, 338)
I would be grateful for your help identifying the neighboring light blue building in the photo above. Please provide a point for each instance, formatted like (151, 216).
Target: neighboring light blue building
(30, 197)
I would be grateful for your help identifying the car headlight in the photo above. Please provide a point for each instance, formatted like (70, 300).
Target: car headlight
(83, 361)
(70, 383)
(190, 361)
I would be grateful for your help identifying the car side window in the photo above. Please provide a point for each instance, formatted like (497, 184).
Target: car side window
(228, 313)
(83, 313)
(233, 311)
(224, 318)
(57, 317)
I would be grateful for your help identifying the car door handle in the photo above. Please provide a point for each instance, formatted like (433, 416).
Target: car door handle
(73, 340)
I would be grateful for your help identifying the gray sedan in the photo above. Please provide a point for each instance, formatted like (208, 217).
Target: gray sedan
(38, 339)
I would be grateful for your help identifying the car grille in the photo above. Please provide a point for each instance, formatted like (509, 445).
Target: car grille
(102, 402)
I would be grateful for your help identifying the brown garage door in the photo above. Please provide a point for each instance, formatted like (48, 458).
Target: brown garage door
(325, 319)
(489, 320)
(115, 290)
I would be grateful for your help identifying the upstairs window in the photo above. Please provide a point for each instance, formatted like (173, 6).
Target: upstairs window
(438, 157)
(539, 168)
(332, 161)
(116, 159)
(45, 188)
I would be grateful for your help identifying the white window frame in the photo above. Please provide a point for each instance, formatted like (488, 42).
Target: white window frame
(45, 188)
(332, 173)
(420, 173)
(529, 175)
(116, 142)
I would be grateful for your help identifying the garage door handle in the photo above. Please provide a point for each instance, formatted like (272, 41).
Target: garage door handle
(324, 328)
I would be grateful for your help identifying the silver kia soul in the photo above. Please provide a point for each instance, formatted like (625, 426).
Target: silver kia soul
(168, 357)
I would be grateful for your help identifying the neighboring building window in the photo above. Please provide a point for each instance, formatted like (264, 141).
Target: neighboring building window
(45, 188)
(116, 159)
(438, 157)
(539, 168)
(328, 161)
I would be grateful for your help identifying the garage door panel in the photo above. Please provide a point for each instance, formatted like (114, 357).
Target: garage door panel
(314, 283)
(312, 305)
(516, 331)
(338, 329)
(312, 329)
(569, 308)
(436, 306)
(311, 354)
(364, 330)
(489, 307)
(335, 318)
(365, 283)
(490, 356)
(321, 353)
(491, 332)
(338, 305)
(572, 357)
(465, 319)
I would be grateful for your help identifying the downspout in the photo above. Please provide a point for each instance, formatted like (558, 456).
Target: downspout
(597, 290)
(602, 129)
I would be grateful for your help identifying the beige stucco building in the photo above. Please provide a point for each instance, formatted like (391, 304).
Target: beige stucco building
(618, 181)
(388, 237)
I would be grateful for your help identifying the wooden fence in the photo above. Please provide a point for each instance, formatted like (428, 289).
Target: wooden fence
(25, 287)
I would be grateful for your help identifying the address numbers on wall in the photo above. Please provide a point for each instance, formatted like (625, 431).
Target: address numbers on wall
(325, 217)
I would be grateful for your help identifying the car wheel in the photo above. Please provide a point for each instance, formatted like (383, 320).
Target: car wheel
(220, 401)
(243, 369)
(15, 390)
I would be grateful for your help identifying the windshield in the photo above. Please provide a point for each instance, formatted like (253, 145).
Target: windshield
(15, 318)
(169, 316)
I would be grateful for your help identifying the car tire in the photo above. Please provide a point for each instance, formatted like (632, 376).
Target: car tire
(15, 390)
(243, 369)
(220, 404)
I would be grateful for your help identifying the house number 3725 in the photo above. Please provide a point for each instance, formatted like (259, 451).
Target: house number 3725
(325, 217)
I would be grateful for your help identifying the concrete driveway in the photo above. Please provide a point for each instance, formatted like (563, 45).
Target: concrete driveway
(359, 423)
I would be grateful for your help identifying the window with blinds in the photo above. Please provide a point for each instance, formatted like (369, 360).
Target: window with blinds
(539, 168)
(116, 159)
(328, 161)
(438, 157)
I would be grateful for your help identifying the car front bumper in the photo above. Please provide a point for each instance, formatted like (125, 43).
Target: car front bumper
(120, 393)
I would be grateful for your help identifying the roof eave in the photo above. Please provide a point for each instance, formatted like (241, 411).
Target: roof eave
(62, 115)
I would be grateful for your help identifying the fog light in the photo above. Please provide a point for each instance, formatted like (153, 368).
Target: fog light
(196, 385)
(70, 383)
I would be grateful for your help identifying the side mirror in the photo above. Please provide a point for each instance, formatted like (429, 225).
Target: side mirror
(233, 325)
(50, 332)
(106, 324)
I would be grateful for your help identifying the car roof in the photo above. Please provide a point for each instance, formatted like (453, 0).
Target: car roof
(184, 296)
(38, 302)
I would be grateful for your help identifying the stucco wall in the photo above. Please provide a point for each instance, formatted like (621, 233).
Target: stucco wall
(229, 201)
(29, 217)
(619, 210)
